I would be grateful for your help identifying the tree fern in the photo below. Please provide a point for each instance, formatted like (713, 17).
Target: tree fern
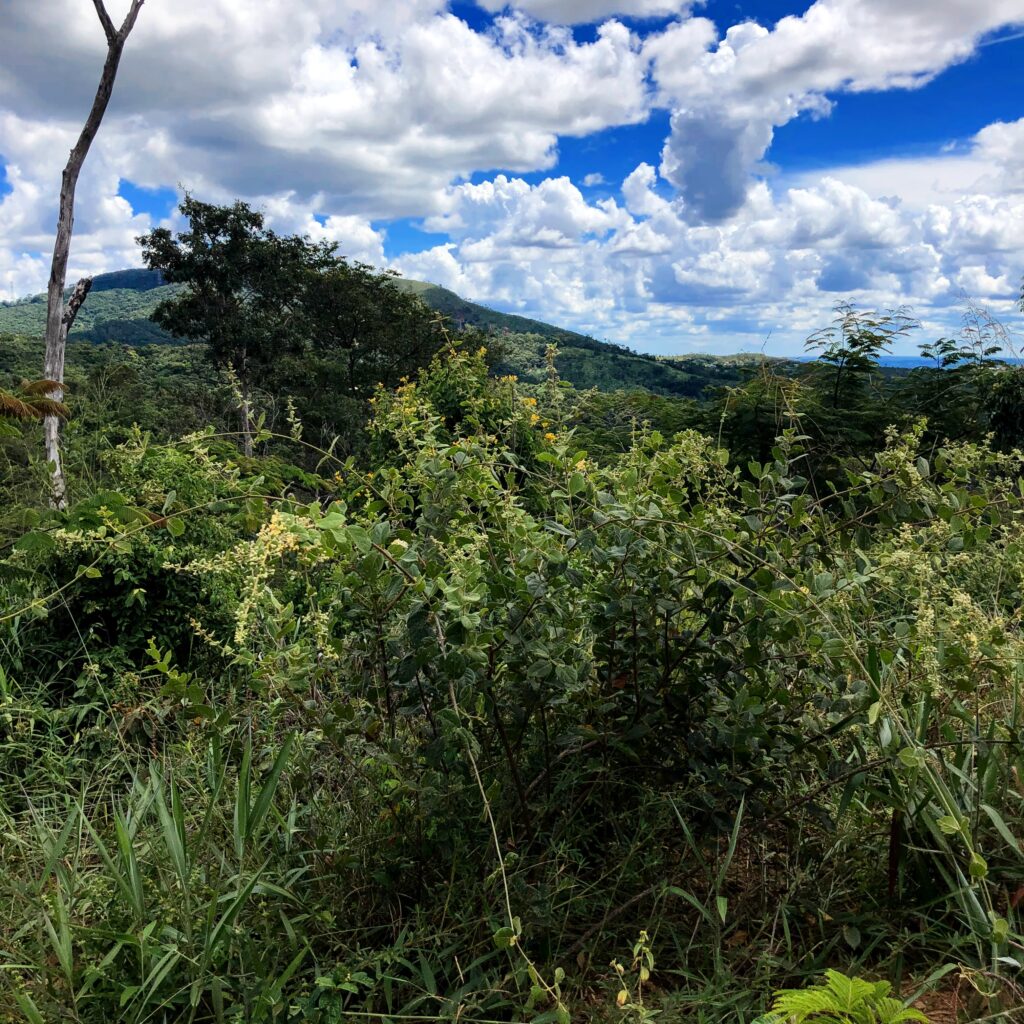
(30, 401)
(841, 1000)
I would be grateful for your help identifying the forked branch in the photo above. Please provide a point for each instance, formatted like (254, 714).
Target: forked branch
(113, 34)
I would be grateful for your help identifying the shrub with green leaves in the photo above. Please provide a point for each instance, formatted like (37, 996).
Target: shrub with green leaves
(534, 703)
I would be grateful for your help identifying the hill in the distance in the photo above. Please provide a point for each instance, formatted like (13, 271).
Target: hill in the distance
(120, 304)
(520, 343)
(117, 309)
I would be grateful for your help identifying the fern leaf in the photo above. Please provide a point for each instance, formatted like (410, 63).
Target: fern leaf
(892, 1011)
(41, 387)
(28, 405)
(841, 1000)
(848, 993)
(14, 408)
(50, 407)
(882, 990)
(794, 1006)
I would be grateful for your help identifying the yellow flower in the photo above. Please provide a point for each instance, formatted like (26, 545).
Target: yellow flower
(549, 436)
(534, 419)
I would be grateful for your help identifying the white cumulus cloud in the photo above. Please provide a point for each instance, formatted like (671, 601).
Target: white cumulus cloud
(729, 95)
(336, 116)
(581, 12)
(776, 268)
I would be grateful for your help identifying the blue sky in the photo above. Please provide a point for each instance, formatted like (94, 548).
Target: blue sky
(672, 176)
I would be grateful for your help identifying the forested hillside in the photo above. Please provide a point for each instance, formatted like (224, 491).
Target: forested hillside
(120, 305)
(114, 311)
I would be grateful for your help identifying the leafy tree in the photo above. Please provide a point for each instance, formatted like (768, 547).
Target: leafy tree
(849, 411)
(285, 312)
(849, 349)
(371, 330)
(956, 393)
(360, 331)
(245, 288)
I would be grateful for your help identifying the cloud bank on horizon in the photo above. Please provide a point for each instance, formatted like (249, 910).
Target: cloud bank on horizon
(616, 166)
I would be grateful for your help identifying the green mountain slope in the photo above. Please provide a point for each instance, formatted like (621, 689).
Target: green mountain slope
(120, 303)
(520, 344)
(464, 313)
(117, 309)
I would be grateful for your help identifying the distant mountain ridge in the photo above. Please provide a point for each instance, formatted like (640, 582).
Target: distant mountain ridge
(138, 280)
(117, 309)
(120, 304)
(130, 296)
(464, 313)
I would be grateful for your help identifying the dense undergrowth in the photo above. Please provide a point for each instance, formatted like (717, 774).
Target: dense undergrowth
(483, 727)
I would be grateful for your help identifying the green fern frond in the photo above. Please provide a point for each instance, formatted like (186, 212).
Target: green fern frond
(893, 1011)
(841, 1000)
(849, 993)
(797, 1005)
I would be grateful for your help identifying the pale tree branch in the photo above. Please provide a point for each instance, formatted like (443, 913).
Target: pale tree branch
(78, 296)
(129, 20)
(108, 25)
(115, 35)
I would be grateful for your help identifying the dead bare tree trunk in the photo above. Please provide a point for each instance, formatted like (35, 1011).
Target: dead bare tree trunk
(246, 413)
(60, 317)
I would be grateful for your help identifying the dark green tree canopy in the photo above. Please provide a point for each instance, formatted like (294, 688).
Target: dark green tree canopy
(363, 330)
(244, 283)
(288, 313)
